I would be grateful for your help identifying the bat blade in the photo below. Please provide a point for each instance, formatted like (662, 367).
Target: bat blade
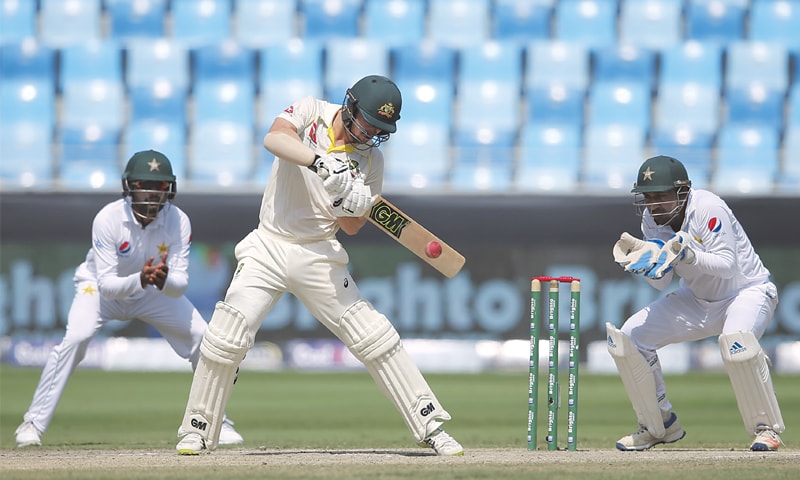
(406, 231)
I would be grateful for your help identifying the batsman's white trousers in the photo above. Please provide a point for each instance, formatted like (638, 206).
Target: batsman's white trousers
(679, 316)
(175, 318)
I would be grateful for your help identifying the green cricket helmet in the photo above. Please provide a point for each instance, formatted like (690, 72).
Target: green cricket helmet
(149, 181)
(379, 101)
(659, 174)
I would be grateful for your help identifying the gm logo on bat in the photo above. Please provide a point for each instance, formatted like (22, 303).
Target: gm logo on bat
(388, 218)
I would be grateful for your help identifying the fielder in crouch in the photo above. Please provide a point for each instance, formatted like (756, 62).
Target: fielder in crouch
(137, 268)
(724, 291)
(294, 249)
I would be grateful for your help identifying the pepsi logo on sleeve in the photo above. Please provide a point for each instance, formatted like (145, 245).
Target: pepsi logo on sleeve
(125, 248)
(714, 225)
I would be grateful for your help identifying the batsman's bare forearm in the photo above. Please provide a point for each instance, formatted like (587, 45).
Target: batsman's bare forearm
(351, 225)
(283, 141)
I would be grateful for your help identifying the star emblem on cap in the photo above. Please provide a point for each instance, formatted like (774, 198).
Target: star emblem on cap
(648, 174)
(154, 165)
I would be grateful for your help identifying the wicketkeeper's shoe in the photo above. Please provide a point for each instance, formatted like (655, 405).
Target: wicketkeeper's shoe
(228, 435)
(766, 439)
(443, 444)
(642, 439)
(28, 435)
(191, 444)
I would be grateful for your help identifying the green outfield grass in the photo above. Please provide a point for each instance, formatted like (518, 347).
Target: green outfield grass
(290, 410)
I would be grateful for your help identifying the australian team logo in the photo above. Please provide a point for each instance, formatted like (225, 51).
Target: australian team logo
(714, 225)
(387, 110)
(390, 219)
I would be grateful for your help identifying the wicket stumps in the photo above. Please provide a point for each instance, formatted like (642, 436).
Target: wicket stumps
(553, 387)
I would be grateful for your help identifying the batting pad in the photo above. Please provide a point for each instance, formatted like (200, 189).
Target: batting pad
(638, 379)
(373, 340)
(225, 343)
(748, 369)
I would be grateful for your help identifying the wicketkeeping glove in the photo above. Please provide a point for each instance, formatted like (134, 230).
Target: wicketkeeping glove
(675, 250)
(337, 178)
(356, 203)
(635, 255)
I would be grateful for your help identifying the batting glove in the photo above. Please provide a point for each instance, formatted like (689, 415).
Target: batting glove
(356, 203)
(337, 178)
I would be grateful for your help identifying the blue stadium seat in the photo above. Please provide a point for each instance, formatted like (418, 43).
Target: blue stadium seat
(612, 103)
(555, 104)
(426, 74)
(17, 20)
(428, 103)
(693, 147)
(747, 160)
(326, 19)
(160, 101)
(28, 61)
(624, 63)
(93, 60)
(129, 19)
(549, 159)
(653, 24)
(591, 22)
(227, 61)
(459, 23)
(348, 60)
(201, 22)
(775, 21)
(224, 85)
(612, 155)
(789, 176)
(522, 20)
(720, 21)
(755, 105)
(26, 157)
(288, 72)
(755, 62)
(157, 60)
(793, 106)
(692, 62)
(220, 153)
(63, 23)
(89, 158)
(167, 138)
(99, 103)
(564, 63)
(260, 23)
(27, 102)
(394, 22)
(417, 156)
(692, 105)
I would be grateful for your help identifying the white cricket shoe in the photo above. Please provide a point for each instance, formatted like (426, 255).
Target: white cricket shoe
(443, 444)
(767, 440)
(28, 435)
(191, 444)
(228, 435)
(642, 439)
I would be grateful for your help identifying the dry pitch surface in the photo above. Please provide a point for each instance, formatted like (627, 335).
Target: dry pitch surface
(75, 460)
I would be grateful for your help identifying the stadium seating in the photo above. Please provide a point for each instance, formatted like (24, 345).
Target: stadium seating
(692, 62)
(789, 175)
(720, 21)
(64, 23)
(88, 61)
(426, 75)
(221, 153)
(326, 19)
(612, 103)
(692, 146)
(27, 158)
(591, 22)
(17, 20)
(522, 20)
(624, 64)
(394, 23)
(651, 24)
(612, 155)
(167, 138)
(130, 19)
(348, 60)
(260, 23)
(150, 61)
(549, 159)
(756, 62)
(459, 23)
(288, 71)
(555, 105)
(161, 101)
(564, 63)
(200, 22)
(775, 22)
(747, 160)
(89, 157)
(417, 156)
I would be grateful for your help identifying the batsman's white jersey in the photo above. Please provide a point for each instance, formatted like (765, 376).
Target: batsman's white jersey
(295, 205)
(108, 287)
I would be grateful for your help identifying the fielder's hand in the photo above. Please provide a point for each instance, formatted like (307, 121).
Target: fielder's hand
(337, 178)
(154, 274)
(356, 203)
(635, 255)
(675, 250)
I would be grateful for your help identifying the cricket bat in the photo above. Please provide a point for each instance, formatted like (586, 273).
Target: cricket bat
(415, 237)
